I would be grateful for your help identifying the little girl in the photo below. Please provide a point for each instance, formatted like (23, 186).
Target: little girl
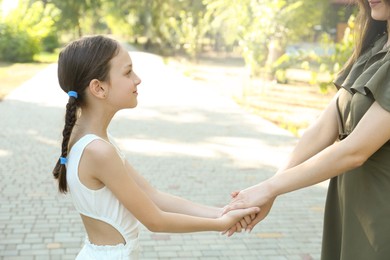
(97, 73)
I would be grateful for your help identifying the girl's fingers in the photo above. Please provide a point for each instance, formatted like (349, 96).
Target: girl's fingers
(252, 210)
(230, 231)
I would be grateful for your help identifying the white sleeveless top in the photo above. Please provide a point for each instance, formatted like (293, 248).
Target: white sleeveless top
(99, 204)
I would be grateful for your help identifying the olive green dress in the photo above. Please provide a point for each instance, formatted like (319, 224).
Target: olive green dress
(357, 211)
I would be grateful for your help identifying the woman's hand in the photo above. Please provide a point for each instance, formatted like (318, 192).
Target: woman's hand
(255, 219)
(254, 196)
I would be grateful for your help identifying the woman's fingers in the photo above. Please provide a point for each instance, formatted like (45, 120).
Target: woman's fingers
(234, 194)
(243, 223)
(254, 222)
(248, 219)
(238, 227)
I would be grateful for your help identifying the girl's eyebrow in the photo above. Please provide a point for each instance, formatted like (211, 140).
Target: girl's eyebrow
(127, 67)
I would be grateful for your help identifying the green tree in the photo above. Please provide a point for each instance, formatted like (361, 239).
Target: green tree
(169, 25)
(181, 25)
(333, 63)
(73, 13)
(128, 19)
(263, 27)
(23, 30)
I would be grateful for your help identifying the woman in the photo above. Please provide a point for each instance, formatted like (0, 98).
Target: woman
(349, 144)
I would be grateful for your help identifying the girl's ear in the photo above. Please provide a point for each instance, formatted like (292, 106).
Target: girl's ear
(97, 88)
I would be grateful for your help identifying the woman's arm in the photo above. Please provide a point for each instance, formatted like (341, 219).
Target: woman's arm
(322, 133)
(106, 166)
(371, 133)
(170, 203)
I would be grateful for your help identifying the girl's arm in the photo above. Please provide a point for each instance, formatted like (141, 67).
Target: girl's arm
(170, 203)
(371, 133)
(107, 167)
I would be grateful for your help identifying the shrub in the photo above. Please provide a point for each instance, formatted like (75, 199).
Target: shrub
(27, 30)
(16, 45)
(50, 42)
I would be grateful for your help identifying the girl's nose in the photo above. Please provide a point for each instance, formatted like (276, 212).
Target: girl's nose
(137, 80)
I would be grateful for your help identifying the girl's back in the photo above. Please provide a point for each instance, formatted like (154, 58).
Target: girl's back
(106, 220)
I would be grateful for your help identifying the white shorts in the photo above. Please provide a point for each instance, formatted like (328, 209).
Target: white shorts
(117, 252)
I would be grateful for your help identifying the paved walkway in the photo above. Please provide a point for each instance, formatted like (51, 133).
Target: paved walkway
(185, 137)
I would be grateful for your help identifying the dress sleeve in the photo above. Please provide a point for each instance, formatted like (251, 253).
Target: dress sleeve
(375, 81)
(347, 78)
(341, 77)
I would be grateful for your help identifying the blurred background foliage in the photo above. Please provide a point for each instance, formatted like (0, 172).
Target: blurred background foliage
(270, 35)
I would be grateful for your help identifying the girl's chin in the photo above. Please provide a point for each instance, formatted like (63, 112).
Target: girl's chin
(133, 105)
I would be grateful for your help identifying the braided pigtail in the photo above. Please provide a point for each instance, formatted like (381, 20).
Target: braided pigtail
(59, 171)
(79, 63)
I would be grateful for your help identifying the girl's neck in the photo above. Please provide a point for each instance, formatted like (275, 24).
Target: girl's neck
(92, 124)
(81, 129)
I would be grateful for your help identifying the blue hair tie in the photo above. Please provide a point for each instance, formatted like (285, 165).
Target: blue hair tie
(72, 94)
(63, 160)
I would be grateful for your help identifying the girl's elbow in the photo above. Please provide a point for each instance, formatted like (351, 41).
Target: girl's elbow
(154, 226)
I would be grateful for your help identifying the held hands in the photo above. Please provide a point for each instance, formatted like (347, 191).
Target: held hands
(257, 195)
(243, 224)
(243, 216)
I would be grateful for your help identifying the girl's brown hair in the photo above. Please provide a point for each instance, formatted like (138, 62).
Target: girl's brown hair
(80, 62)
(367, 31)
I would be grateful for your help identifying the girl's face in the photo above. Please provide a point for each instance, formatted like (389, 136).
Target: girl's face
(380, 10)
(123, 81)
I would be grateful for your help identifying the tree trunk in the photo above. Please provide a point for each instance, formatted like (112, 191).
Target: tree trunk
(274, 52)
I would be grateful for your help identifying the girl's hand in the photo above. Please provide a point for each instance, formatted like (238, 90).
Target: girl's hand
(238, 216)
(243, 224)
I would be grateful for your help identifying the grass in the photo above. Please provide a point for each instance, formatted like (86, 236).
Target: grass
(291, 106)
(13, 75)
